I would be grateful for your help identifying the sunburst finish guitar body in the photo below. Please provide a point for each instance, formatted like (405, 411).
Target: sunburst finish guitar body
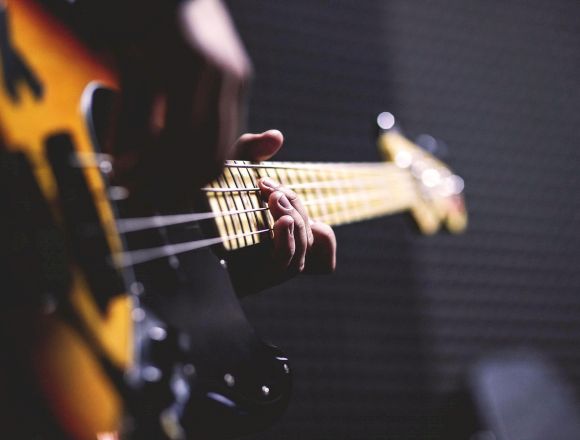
(44, 100)
(80, 347)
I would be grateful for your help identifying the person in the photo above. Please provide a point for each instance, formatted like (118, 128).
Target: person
(184, 79)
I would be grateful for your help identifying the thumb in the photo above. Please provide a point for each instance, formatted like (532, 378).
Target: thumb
(258, 147)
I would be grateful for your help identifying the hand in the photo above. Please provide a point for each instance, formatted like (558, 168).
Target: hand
(300, 244)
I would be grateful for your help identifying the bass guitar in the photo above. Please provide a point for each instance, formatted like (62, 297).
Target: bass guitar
(122, 325)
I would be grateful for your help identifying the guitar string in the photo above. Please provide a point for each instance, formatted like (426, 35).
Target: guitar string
(317, 166)
(367, 211)
(135, 224)
(139, 256)
(386, 171)
(134, 257)
(91, 159)
(347, 197)
(322, 184)
(126, 225)
(142, 223)
(240, 200)
(361, 168)
(130, 225)
(259, 219)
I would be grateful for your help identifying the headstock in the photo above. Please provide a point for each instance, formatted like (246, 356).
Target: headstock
(439, 198)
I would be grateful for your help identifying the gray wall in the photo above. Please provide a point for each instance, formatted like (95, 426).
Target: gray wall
(379, 345)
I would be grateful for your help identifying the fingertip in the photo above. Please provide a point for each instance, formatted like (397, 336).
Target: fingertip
(266, 145)
(284, 246)
(302, 265)
(268, 184)
(259, 146)
(275, 135)
(290, 227)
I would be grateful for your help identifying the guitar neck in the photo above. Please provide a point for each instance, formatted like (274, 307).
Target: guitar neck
(335, 193)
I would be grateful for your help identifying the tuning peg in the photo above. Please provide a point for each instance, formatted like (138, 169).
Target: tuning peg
(386, 121)
(433, 146)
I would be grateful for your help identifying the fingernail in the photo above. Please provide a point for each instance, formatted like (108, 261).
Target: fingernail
(284, 203)
(291, 229)
(269, 183)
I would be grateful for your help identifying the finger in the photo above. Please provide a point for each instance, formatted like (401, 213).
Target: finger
(321, 257)
(280, 206)
(258, 147)
(268, 186)
(284, 245)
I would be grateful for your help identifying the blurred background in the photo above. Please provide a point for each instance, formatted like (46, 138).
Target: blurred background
(380, 348)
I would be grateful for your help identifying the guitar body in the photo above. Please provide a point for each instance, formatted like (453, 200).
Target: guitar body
(81, 354)
(47, 74)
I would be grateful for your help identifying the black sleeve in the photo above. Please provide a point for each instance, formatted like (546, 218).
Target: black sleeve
(111, 23)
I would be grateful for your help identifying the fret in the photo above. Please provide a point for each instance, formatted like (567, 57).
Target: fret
(224, 223)
(330, 190)
(231, 207)
(305, 181)
(252, 200)
(310, 181)
(344, 199)
(368, 208)
(321, 210)
(246, 181)
(226, 207)
(290, 178)
(343, 206)
(262, 172)
(354, 203)
(371, 211)
(333, 192)
(284, 176)
(405, 190)
(239, 202)
(356, 194)
(258, 219)
(366, 205)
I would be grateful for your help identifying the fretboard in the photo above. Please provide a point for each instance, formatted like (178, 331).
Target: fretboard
(335, 193)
